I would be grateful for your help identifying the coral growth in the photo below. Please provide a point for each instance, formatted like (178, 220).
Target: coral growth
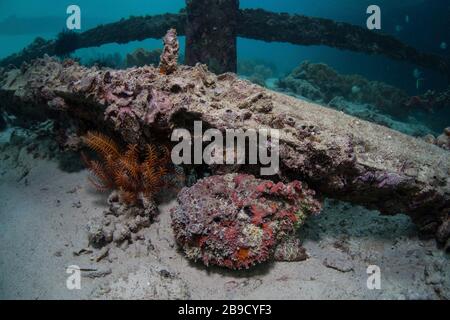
(124, 172)
(169, 56)
(369, 100)
(321, 83)
(237, 221)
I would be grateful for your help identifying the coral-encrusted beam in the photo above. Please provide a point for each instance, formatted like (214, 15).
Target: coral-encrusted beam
(123, 31)
(338, 155)
(299, 29)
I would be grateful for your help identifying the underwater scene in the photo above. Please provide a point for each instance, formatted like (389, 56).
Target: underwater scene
(225, 150)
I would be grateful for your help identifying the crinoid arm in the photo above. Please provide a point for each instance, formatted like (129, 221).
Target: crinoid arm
(102, 144)
(150, 179)
(123, 171)
(100, 178)
(154, 169)
(151, 155)
(130, 162)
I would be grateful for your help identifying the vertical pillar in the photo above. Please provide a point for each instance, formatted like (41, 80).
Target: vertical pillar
(211, 33)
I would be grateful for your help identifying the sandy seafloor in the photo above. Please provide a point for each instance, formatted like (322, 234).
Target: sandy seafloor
(44, 212)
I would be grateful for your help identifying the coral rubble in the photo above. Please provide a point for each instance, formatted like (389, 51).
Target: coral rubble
(122, 223)
(237, 221)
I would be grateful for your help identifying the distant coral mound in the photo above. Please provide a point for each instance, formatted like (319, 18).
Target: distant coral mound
(373, 101)
(321, 83)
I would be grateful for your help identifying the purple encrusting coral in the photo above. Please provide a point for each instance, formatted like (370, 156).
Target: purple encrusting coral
(237, 220)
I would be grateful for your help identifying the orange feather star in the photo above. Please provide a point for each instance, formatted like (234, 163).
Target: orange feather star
(123, 171)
